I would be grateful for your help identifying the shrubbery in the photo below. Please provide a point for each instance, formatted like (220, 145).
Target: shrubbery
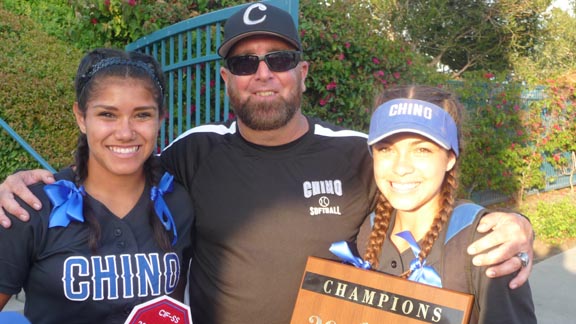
(36, 94)
(554, 221)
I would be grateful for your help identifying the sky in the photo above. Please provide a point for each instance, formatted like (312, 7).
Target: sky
(562, 4)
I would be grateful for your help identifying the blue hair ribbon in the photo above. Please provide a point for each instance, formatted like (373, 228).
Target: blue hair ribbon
(420, 271)
(67, 201)
(162, 211)
(344, 252)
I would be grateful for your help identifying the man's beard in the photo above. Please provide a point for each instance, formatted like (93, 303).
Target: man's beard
(266, 116)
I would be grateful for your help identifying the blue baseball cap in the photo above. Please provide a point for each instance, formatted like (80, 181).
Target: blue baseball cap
(414, 116)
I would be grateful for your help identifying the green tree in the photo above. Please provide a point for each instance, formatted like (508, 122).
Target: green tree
(466, 34)
(555, 54)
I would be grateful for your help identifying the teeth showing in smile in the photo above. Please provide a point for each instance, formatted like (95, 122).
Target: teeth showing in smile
(404, 186)
(265, 93)
(123, 150)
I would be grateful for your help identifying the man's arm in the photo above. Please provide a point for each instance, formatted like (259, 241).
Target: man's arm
(17, 184)
(4, 298)
(510, 234)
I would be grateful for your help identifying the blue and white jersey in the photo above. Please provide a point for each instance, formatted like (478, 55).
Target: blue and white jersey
(66, 282)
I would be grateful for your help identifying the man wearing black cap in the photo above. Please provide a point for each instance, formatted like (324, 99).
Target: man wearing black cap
(273, 186)
(288, 185)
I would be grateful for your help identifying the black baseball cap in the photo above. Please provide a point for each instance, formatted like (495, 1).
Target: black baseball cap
(259, 19)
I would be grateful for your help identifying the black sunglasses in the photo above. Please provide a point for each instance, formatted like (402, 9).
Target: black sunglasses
(280, 61)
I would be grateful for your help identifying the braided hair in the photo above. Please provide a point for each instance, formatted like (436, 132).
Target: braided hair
(94, 70)
(384, 209)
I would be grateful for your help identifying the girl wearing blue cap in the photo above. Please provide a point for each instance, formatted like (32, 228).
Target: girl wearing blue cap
(420, 230)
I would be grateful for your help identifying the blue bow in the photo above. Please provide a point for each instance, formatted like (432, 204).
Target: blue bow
(342, 250)
(157, 196)
(420, 271)
(67, 202)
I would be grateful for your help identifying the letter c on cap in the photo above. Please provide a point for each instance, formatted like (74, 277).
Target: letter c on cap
(246, 17)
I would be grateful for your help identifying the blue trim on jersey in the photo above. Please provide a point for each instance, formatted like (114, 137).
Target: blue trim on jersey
(462, 217)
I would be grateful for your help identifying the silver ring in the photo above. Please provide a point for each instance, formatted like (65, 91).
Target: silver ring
(524, 258)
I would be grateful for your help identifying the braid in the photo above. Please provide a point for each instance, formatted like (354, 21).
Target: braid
(378, 235)
(448, 198)
(81, 159)
(152, 171)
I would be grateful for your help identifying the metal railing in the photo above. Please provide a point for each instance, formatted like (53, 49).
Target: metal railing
(26, 146)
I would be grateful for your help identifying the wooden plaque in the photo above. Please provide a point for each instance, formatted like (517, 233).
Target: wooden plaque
(335, 293)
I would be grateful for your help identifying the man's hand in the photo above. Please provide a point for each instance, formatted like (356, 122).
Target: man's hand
(511, 234)
(17, 184)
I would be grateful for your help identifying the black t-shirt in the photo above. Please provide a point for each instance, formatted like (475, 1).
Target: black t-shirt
(261, 211)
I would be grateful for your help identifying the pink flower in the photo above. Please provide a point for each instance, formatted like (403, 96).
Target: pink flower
(516, 107)
(409, 61)
(93, 21)
(107, 3)
(323, 102)
(375, 60)
(557, 157)
(341, 57)
(379, 73)
(347, 44)
(132, 3)
(331, 86)
(489, 75)
(396, 75)
(302, 32)
(519, 132)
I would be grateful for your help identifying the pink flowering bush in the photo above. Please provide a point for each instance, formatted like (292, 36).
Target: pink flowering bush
(509, 135)
(499, 153)
(350, 63)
